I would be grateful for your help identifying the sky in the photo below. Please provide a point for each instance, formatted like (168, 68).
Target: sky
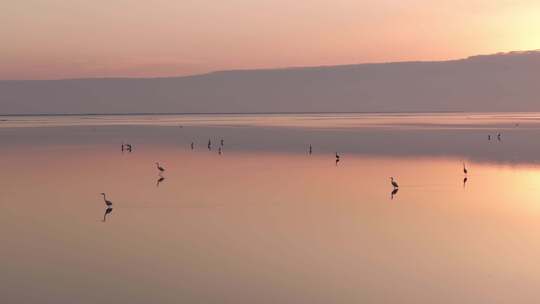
(54, 39)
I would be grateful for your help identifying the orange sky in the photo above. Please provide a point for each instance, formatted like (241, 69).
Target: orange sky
(48, 39)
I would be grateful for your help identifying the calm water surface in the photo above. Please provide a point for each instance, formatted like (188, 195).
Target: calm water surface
(265, 222)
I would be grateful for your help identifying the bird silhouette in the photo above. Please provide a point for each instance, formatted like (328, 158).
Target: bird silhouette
(192, 145)
(222, 142)
(465, 181)
(108, 203)
(465, 169)
(394, 183)
(310, 149)
(160, 168)
(209, 144)
(107, 211)
(337, 158)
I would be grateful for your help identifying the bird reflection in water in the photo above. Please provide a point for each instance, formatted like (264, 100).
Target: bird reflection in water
(393, 193)
(337, 158)
(107, 212)
(465, 181)
(160, 179)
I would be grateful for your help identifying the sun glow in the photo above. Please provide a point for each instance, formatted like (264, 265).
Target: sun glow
(126, 38)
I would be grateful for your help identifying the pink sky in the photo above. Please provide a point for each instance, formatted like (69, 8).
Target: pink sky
(49, 39)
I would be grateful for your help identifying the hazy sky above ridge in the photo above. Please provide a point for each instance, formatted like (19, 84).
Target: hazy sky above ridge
(49, 39)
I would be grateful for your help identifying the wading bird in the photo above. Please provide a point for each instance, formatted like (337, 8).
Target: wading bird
(465, 169)
(160, 168)
(108, 203)
(337, 158)
(310, 149)
(394, 183)
(192, 145)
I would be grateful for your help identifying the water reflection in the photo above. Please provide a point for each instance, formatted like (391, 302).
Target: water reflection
(266, 194)
(108, 210)
(159, 180)
(393, 193)
(395, 136)
(231, 210)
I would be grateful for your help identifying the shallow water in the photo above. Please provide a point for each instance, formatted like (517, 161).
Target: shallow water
(265, 222)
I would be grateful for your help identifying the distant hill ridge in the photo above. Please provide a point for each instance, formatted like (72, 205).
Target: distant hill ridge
(483, 83)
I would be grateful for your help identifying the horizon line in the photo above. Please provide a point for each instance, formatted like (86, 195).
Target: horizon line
(256, 113)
